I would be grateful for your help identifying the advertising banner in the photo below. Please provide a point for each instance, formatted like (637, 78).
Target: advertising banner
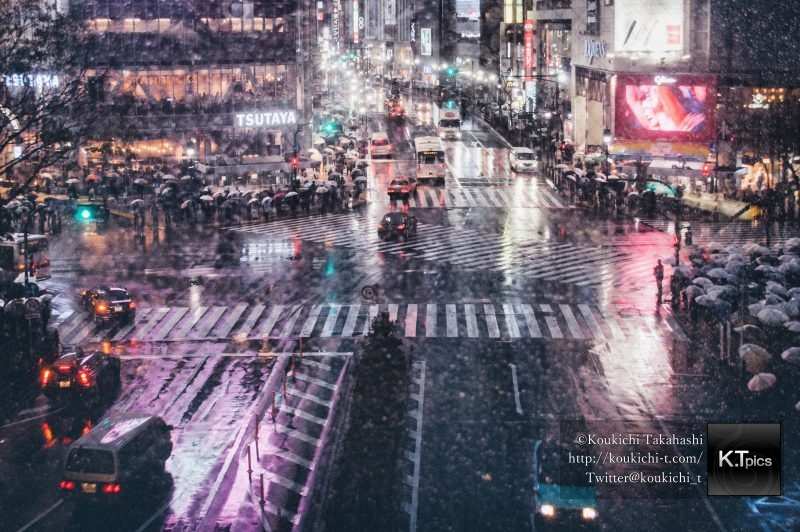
(592, 18)
(664, 107)
(390, 12)
(356, 26)
(425, 44)
(659, 28)
(528, 56)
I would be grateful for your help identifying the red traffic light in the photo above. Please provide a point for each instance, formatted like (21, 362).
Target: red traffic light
(295, 163)
(706, 170)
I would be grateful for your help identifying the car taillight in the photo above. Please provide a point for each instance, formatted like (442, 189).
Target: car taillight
(132, 305)
(64, 368)
(101, 308)
(68, 485)
(84, 379)
(45, 263)
(46, 374)
(111, 488)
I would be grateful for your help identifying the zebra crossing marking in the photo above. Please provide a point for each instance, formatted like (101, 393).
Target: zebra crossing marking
(583, 321)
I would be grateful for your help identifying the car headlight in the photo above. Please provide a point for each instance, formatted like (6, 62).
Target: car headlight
(547, 510)
(589, 514)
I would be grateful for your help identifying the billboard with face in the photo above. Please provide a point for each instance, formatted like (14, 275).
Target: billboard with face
(663, 107)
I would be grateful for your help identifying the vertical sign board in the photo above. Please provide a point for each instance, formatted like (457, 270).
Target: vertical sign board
(425, 36)
(528, 57)
(355, 22)
(508, 11)
(390, 12)
(592, 19)
(335, 21)
(412, 36)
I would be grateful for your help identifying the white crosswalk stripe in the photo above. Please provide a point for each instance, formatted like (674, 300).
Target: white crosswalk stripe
(727, 233)
(463, 320)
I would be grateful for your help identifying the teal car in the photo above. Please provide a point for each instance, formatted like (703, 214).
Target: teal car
(563, 496)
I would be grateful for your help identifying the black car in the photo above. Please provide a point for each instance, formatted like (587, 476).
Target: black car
(107, 303)
(397, 224)
(92, 376)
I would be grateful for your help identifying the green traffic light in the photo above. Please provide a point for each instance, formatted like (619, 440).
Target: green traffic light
(86, 214)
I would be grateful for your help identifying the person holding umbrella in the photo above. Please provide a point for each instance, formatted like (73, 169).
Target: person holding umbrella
(266, 206)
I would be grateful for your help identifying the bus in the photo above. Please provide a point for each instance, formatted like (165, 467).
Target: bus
(430, 159)
(12, 256)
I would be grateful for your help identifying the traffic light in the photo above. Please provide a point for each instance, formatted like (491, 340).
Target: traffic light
(328, 127)
(91, 212)
(450, 104)
(451, 71)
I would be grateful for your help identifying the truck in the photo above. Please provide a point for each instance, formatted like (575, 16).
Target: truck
(449, 123)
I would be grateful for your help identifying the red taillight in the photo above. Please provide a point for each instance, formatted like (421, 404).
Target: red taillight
(111, 488)
(45, 263)
(67, 485)
(84, 379)
(46, 374)
(64, 368)
(132, 304)
(101, 308)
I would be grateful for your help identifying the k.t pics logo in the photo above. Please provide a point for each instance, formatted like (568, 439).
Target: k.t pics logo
(744, 459)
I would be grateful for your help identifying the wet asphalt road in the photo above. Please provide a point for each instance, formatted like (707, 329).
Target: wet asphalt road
(519, 311)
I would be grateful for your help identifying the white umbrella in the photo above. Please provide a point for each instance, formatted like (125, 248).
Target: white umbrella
(704, 282)
(761, 382)
(206, 197)
(137, 181)
(316, 157)
(169, 177)
(754, 357)
(772, 316)
(562, 166)
(72, 181)
(137, 202)
(792, 355)
(332, 184)
(186, 178)
(266, 200)
(290, 194)
(321, 190)
(217, 194)
(360, 178)
(252, 200)
(164, 191)
(186, 204)
(579, 172)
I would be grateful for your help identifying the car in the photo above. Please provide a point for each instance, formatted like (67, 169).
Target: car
(397, 224)
(88, 376)
(522, 160)
(107, 303)
(402, 186)
(563, 494)
(397, 112)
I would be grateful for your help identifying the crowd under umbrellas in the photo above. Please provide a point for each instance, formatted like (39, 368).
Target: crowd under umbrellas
(759, 287)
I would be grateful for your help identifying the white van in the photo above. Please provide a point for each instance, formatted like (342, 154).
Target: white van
(379, 145)
(122, 453)
(522, 160)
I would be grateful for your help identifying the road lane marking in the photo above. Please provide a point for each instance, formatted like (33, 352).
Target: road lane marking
(572, 323)
(417, 451)
(393, 310)
(516, 388)
(410, 324)
(430, 320)
(181, 332)
(552, 322)
(211, 320)
(286, 331)
(251, 320)
(530, 320)
(272, 319)
(39, 517)
(452, 321)
(472, 321)
(373, 313)
(330, 323)
(594, 327)
(511, 320)
(311, 321)
(231, 320)
(164, 330)
(491, 321)
(352, 318)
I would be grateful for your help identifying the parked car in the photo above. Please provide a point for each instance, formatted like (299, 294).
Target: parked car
(397, 225)
(107, 303)
(402, 186)
(89, 376)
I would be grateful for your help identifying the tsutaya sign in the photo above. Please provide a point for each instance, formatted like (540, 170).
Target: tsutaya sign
(266, 119)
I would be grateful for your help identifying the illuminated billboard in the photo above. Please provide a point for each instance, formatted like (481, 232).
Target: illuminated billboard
(664, 107)
(656, 28)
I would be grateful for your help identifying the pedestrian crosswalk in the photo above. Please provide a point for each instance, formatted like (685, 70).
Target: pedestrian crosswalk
(470, 250)
(243, 322)
(468, 197)
(727, 233)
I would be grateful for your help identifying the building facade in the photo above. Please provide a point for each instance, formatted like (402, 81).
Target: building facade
(209, 75)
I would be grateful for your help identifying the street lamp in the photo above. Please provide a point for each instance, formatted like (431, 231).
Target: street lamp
(607, 138)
